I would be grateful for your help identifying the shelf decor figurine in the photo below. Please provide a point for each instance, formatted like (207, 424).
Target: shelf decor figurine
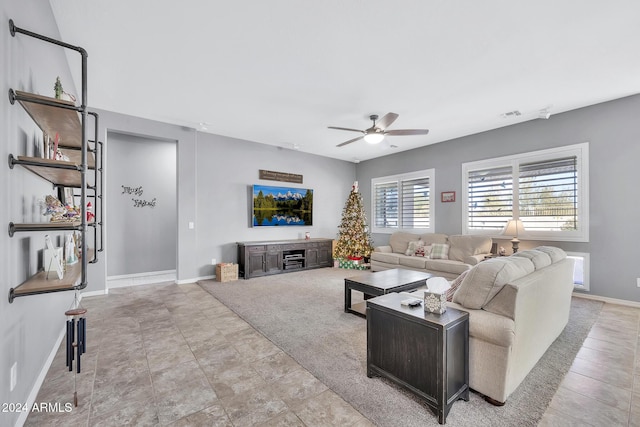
(60, 93)
(52, 258)
(71, 256)
(57, 88)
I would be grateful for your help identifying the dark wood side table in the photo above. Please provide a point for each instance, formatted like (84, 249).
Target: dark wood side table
(426, 353)
(380, 283)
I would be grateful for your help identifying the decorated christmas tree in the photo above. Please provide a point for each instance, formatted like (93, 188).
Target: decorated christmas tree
(354, 238)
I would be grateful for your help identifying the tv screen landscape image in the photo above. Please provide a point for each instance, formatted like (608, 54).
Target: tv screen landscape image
(282, 206)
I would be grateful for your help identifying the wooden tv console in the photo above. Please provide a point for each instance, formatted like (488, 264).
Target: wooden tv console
(263, 258)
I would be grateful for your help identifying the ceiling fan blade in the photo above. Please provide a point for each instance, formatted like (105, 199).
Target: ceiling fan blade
(386, 120)
(408, 132)
(350, 141)
(349, 129)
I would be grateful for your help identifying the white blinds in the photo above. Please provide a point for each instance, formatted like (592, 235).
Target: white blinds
(403, 202)
(415, 203)
(490, 198)
(548, 193)
(386, 204)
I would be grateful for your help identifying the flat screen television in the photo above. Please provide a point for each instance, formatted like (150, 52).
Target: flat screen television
(281, 206)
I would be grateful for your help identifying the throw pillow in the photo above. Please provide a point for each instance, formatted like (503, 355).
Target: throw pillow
(411, 249)
(419, 251)
(455, 284)
(439, 251)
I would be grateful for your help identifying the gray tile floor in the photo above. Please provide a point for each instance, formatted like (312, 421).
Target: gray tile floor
(172, 354)
(602, 387)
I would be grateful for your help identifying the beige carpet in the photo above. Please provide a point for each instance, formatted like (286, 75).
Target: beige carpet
(303, 313)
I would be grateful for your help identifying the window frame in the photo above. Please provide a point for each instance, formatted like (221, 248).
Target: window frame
(580, 151)
(399, 179)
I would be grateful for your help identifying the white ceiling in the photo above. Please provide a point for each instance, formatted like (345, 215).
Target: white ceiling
(279, 72)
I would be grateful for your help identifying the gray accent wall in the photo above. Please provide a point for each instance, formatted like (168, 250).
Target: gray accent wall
(114, 125)
(141, 205)
(613, 134)
(226, 169)
(214, 175)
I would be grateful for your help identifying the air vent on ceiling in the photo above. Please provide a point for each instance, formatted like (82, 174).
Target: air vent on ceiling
(510, 114)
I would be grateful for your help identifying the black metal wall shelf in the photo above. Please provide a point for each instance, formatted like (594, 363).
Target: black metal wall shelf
(67, 123)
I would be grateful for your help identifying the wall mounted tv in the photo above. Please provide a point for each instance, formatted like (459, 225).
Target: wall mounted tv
(282, 206)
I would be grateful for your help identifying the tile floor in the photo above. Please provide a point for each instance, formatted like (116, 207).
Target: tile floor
(173, 355)
(602, 388)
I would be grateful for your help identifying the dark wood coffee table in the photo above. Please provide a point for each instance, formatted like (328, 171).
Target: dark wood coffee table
(380, 283)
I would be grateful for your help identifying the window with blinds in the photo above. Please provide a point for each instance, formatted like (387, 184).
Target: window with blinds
(490, 198)
(385, 213)
(548, 194)
(403, 202)
(548, 190)
(415, 205)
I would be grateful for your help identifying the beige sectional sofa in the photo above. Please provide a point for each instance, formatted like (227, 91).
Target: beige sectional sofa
(517, 305)
(464, 251)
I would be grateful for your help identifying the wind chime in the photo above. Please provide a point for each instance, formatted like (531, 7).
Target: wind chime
(76, 340)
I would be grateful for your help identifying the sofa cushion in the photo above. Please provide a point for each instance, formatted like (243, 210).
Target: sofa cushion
(413, 246)
(538, 258)
(462, 246)
(446, 266)
(389, 258)
(556, 254)
(488, 327)
(412, 261)
(486, 279)
(423, 251)
(431, 238)
(439, 251)
(399, 241)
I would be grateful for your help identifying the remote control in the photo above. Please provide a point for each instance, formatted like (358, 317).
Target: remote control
(411, 302)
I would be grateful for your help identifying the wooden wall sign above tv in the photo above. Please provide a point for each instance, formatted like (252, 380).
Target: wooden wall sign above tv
(280, 176)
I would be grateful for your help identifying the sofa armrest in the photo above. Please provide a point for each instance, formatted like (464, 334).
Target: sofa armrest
(475, 259)
(384, 249)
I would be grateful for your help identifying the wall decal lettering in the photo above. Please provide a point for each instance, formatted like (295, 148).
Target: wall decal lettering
(137, 191)
(132, 190)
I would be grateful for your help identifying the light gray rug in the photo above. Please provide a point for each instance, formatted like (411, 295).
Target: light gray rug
(303, 314)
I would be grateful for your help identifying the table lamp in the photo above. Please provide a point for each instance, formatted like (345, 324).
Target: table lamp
(514, 227)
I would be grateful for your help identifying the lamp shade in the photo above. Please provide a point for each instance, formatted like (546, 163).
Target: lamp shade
(374, 137)
(514, 227)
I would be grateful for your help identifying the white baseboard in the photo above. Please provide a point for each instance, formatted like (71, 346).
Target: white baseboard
(141, 279)
(95, 293)
(608, 300)
(31, 399)
(185, 281)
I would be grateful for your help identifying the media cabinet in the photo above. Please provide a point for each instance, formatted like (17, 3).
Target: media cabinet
(263, 258)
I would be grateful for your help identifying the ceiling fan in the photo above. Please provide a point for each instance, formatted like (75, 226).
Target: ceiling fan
(376, 133)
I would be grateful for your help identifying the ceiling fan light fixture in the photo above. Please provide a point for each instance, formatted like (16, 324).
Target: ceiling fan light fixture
(374, 137)
(376, 133)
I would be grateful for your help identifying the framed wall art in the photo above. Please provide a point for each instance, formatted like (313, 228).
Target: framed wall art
(448, 196)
